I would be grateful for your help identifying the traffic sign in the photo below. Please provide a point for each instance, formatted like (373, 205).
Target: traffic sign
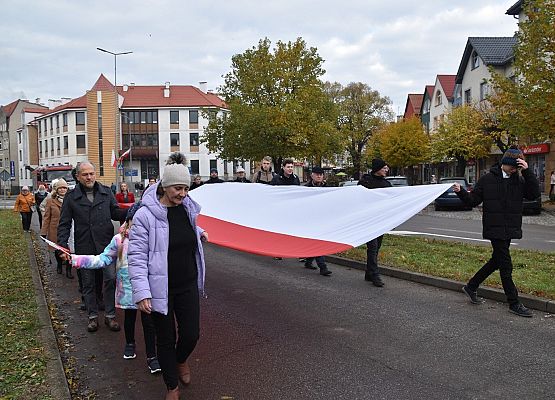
(133, 172)
(120, 166)
(5, 175)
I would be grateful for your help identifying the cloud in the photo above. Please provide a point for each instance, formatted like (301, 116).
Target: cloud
(397, 47)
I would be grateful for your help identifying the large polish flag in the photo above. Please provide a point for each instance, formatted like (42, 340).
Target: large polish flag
(298, 221)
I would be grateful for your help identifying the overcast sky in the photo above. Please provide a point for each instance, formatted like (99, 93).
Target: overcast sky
(48, 48)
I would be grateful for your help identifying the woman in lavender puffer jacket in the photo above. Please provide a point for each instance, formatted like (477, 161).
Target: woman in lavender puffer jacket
(166, 268)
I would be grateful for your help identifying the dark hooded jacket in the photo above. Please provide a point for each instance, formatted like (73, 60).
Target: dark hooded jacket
(371, 181)
(502, 201)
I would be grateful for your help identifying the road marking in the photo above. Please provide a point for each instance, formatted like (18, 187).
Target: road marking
(455, 230)
(411, 233)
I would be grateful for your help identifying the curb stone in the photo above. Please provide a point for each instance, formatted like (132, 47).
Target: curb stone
(54, 368)
(537, 303)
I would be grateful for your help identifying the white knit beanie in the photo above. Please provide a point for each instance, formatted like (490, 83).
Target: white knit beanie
(175, 173)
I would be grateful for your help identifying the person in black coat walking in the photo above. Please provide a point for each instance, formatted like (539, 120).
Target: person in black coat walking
(374, 180)
(92, 207)
(501, 191)
(40, 195)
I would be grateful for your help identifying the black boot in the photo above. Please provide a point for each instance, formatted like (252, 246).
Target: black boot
(68, 271)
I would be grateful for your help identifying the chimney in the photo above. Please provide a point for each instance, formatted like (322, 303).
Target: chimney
(125, 87)
(167, 90)
(37, 100)
(203, 85)
(53, 103)
(66, 100)
(132, 84)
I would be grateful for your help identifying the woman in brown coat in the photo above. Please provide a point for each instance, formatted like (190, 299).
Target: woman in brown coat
(51, 219)
(23, 203)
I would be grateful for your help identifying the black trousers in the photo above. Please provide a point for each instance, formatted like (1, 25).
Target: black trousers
(372, 250)
(183, 309)
(501, 260)
(40, 217)
(26, 220)
(149, 332)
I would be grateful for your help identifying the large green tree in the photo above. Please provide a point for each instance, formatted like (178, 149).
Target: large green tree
(404, 144)
(362, 112)
(276, 106)
(526, 103)
(461, 136)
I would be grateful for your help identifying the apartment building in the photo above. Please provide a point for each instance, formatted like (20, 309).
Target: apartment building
(152, 121)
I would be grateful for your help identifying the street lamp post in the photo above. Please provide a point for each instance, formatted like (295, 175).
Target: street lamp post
(116, 113)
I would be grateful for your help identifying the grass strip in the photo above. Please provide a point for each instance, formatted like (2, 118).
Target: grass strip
(533, 271)
(22, 357)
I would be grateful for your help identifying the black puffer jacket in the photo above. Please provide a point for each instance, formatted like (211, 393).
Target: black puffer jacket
(92, 222)
(502, 201)
(371, 181)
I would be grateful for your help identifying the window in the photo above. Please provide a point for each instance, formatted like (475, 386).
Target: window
(20, 155)
(58, 145)
(45, 127)
(66, 144)
(427, 106)
(64, 119)
(174, 117)
(467, 97)
(193, 116)
(435, 125)
(46, 148)
(80, 141)
(40, 148)
(438, 98)
(475, 60)
(213, 164)
(193, 139)
(52, 146)
(51, 123)
(57, 121)
(484, 90)
(19, 137)
(40, 130)
(174, 139)
(80, 118)
(195, 167)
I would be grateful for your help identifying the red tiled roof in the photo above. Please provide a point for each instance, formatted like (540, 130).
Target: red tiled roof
(79, 102)
(447, 82)
(102, 83)
(180, 96)
(36, 110)
(412, 107)
(430, 90)
(9, 108)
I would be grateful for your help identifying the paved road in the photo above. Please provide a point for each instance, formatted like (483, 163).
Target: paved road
(454, 227)
(274, 330)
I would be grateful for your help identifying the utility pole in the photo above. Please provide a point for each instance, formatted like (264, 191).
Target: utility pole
(116, 112)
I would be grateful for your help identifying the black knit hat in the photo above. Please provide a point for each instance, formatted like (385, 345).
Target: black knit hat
(377, 164)
(511, 155)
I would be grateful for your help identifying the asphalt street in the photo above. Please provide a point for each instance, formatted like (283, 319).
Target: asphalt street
(466, 226)
(272, 329)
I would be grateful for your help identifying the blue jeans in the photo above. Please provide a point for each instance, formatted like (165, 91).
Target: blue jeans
(320, 261)
(90, 291)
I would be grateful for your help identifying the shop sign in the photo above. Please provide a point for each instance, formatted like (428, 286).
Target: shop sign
(536, 148)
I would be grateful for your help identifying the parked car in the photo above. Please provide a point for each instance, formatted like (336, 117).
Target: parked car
(397, 180)
(532, 206)
(449, 199)
(348, 183)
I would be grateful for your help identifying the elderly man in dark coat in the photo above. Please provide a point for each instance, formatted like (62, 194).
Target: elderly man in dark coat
(92, 207)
